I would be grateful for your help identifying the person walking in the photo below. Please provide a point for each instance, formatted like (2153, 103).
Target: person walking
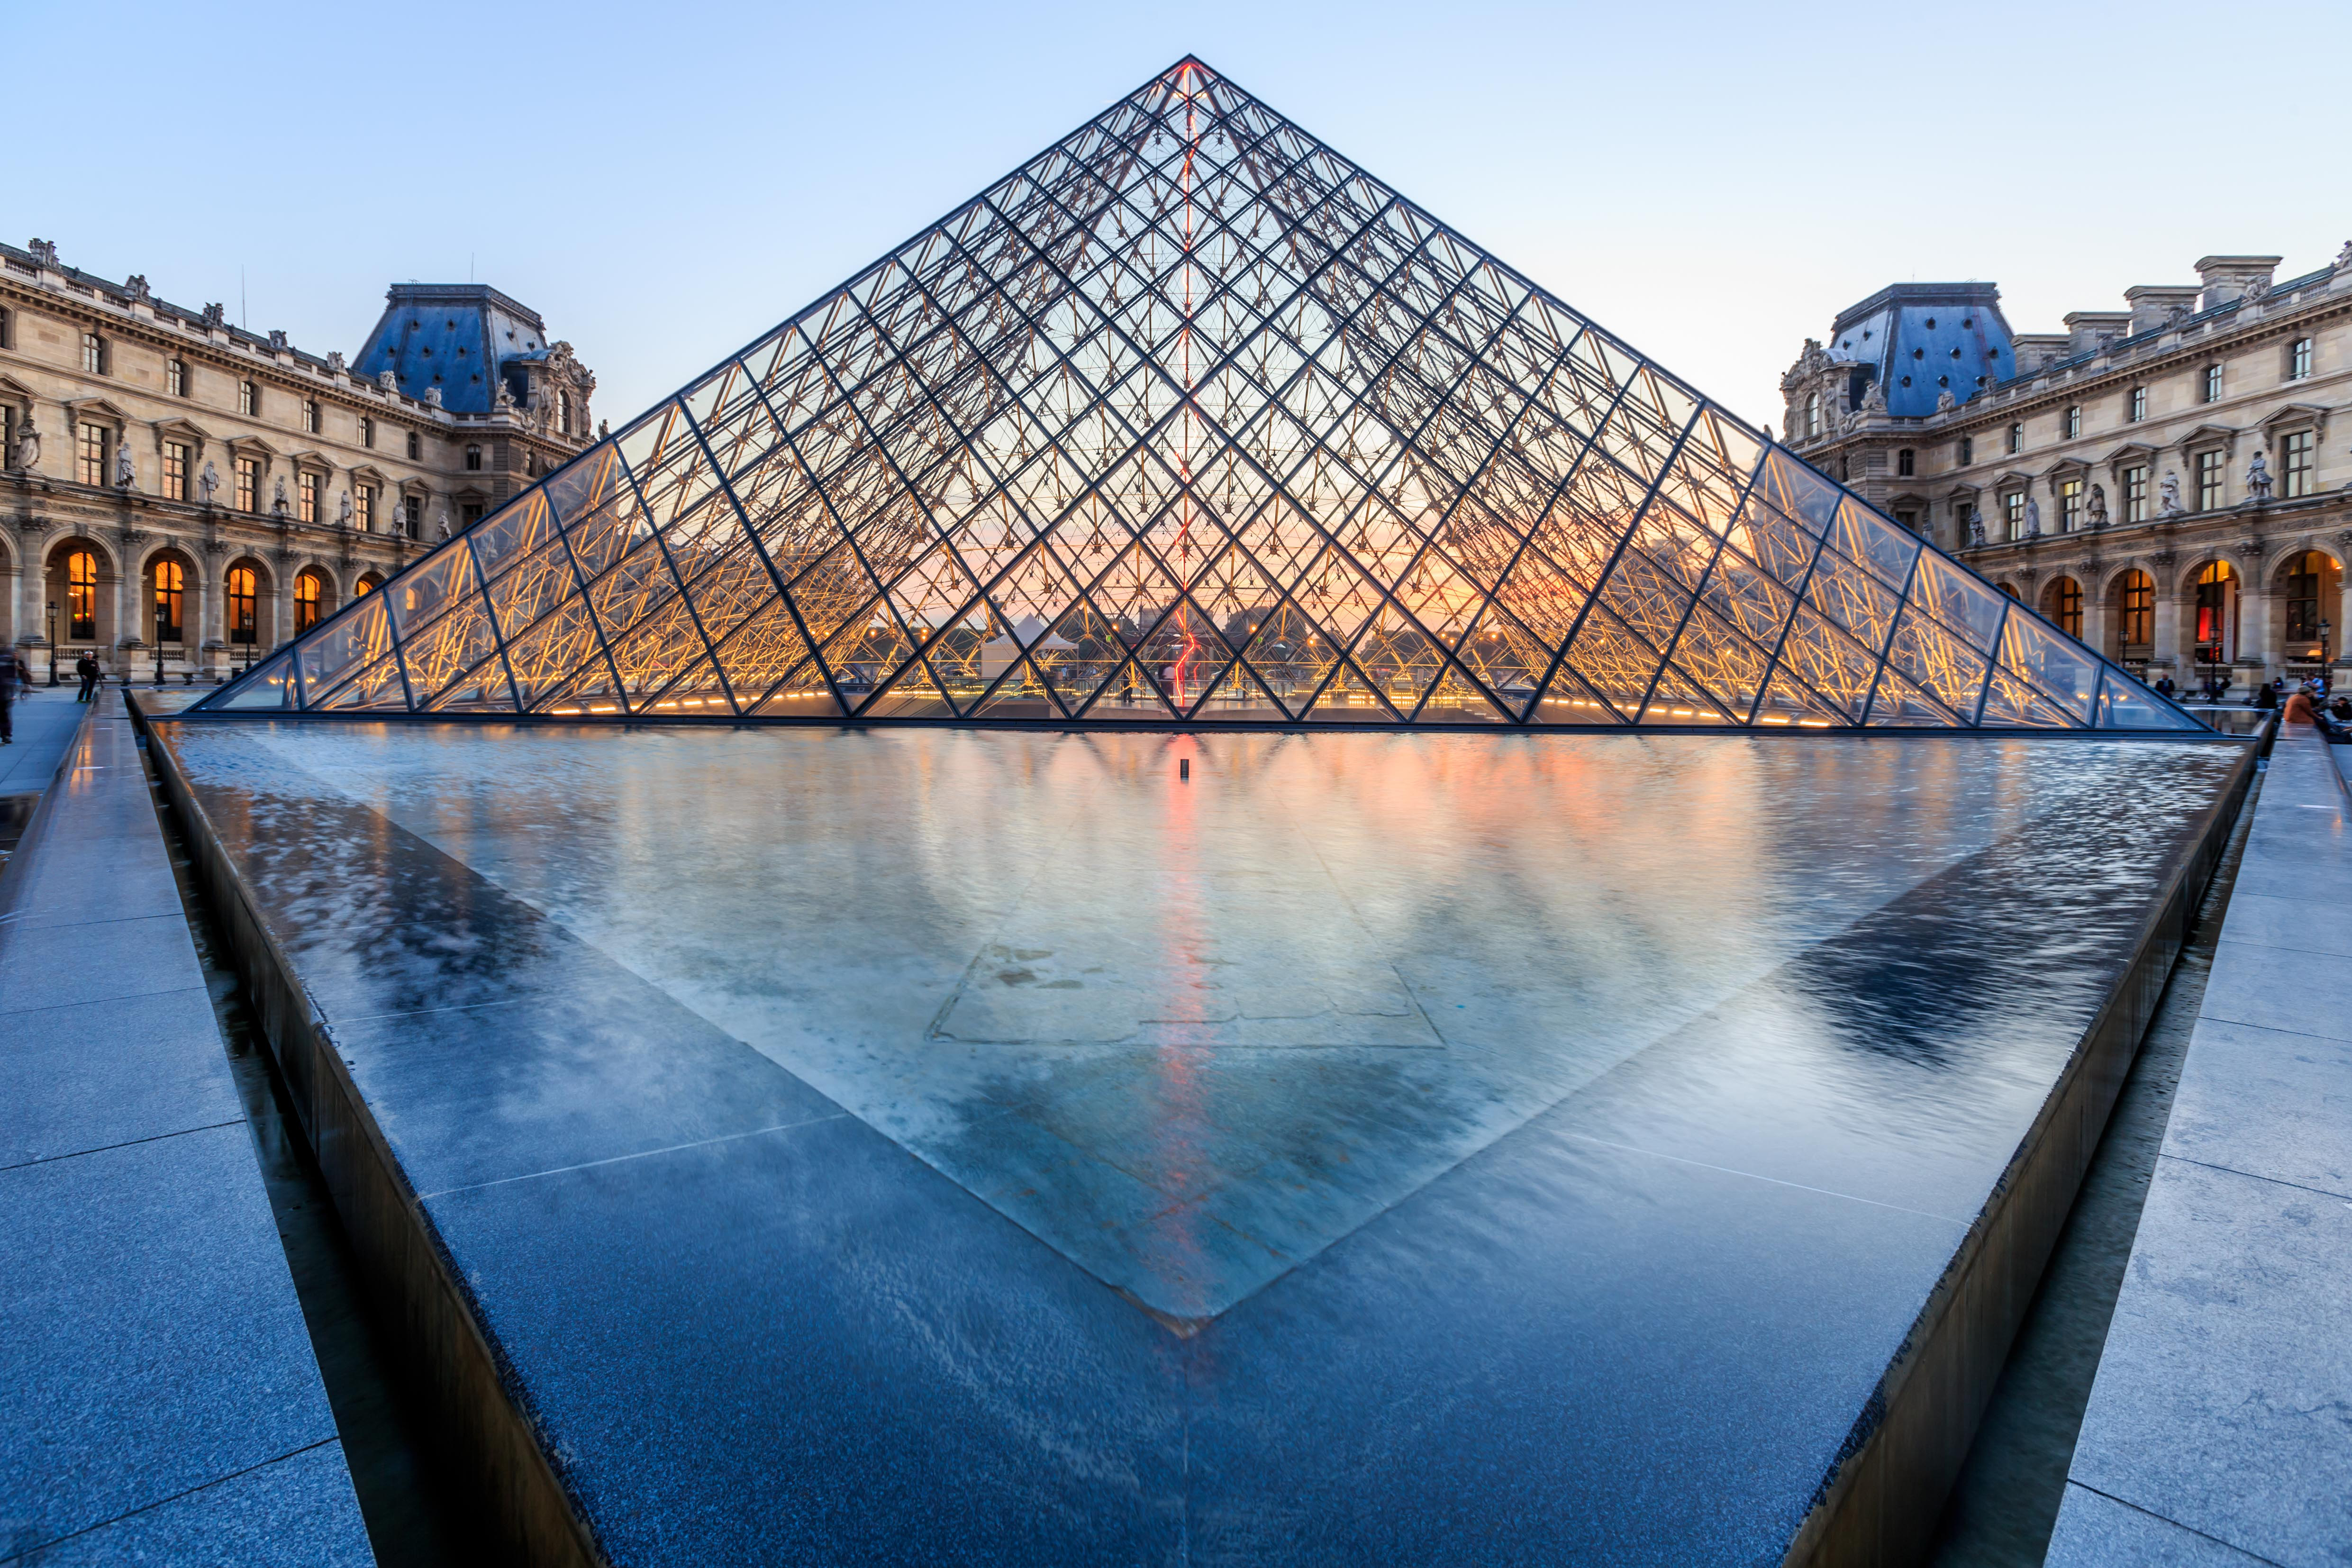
(12, 679)
(86, 668)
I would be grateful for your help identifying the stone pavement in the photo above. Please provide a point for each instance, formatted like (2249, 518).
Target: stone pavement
(159, 1400)
(2219, 1429)
(44, 722)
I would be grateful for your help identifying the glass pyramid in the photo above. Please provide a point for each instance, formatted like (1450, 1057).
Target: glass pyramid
(1191, 421)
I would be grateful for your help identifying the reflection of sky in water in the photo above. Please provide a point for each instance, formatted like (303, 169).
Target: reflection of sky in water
(1192, 1032)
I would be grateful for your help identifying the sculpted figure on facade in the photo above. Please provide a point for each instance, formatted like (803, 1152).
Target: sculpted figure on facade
(2344, 257)
(1976, 527)
(445, 524)
(433, 397)
(1945, 402)
(2168, 496)
(27, 455)
(216, 315)
(278, 504)
(2098, 510)
(208, 481)
(2258, 476)
(388, 382)
(344, 511)
(45, 254)
(125, 475)
(136, 286)
(2033, 519)
(334, 361)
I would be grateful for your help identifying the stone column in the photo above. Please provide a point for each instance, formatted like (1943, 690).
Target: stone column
(2259, 631)
(2168, 635)
(281, 600)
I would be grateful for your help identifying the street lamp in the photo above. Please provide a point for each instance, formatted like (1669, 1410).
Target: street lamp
(53, 642)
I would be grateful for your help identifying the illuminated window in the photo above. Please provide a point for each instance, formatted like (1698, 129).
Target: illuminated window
(89, 453)
(249, 398)
(2065, 604)
(2070, 506)
(364, 585)
(81, 596)
(244, 606)
(2304, 575)
(363, 507)
(93, 353)
(2138, 608)
(367, 430)
(310, 417)
(306, 494)
(2298, 456)
(2216, 593)
(175, 470)
(248, 483)
(175, 377)
(309, 591)
(2012, 513)
(170, 585)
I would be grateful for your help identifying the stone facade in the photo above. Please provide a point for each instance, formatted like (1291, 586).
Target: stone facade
(182, 492)
(2170, 480)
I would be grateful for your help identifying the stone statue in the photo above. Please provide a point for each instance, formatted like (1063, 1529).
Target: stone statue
(2258, 478)
(136, 284)
(277, 504)
(2097, 511)
(2344, 257)
(334, 361)
(28, 447)
(433, 397)
(505, 396)
(277, 342)
(2033, 519)
(344, 511)
(444, 526)
(2168, 496)
(1976, 527)
(45, 254)
(208, 481)
(1945, 402)
(125, 475)
(388, 382)
(216, 315)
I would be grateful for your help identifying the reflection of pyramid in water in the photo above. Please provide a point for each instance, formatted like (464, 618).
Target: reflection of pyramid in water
(1191, 419)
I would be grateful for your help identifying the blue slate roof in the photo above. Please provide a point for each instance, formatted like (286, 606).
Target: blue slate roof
(459, 337)
(1920, 340)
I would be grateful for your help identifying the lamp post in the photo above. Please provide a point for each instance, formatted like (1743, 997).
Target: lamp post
(53, 642)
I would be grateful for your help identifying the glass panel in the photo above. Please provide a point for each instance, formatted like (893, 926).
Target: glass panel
(269, 686)
(2054, 663)
(2125, 705)
(344, 644)
(376, 688)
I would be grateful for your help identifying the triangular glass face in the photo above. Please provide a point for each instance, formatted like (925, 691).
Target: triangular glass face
(1189, 420)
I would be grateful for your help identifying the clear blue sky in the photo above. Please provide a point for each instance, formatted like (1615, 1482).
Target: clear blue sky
(664, 181)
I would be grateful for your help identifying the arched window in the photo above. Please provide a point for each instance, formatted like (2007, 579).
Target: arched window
(1812, 414)
(2007, 589)
(2216, 600)
(365, 585)
(2306, 581)
(308, 591)
(171, 587)
(244, 607)
(2063, 601)
(2138, 608)
(81, 596)
(564, 411)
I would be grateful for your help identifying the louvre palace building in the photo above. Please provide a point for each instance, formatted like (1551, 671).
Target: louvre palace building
(179, 493)
(2168, 481)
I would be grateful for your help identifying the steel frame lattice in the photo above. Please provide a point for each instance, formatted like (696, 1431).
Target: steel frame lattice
(1190, 421)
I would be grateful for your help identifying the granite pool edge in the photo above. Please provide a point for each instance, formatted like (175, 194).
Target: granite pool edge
(1880, 1502)
(476, 1402)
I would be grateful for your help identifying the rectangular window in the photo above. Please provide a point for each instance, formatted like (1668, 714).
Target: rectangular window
(90, 454)
(249, 398)
(2017, 436)
(412, 513)
(2303, 603)
(306, 491)
(175, 470)
(93, 354)
(2073, 421)
(2212, 383)
(2212, 480)
(2012, 514)
(2136, 496)
(474, 458)
(2298, 358)
(2138, 406)
(367, 430)
(175, 377)
(2070, 506)
(1968, 450)
(310, 417)
(248, 483)
(2296, 459)
(363, 496)
(2139, 610)
(470, 513)
(1906, 463)
(81, 596)
(415, 447)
